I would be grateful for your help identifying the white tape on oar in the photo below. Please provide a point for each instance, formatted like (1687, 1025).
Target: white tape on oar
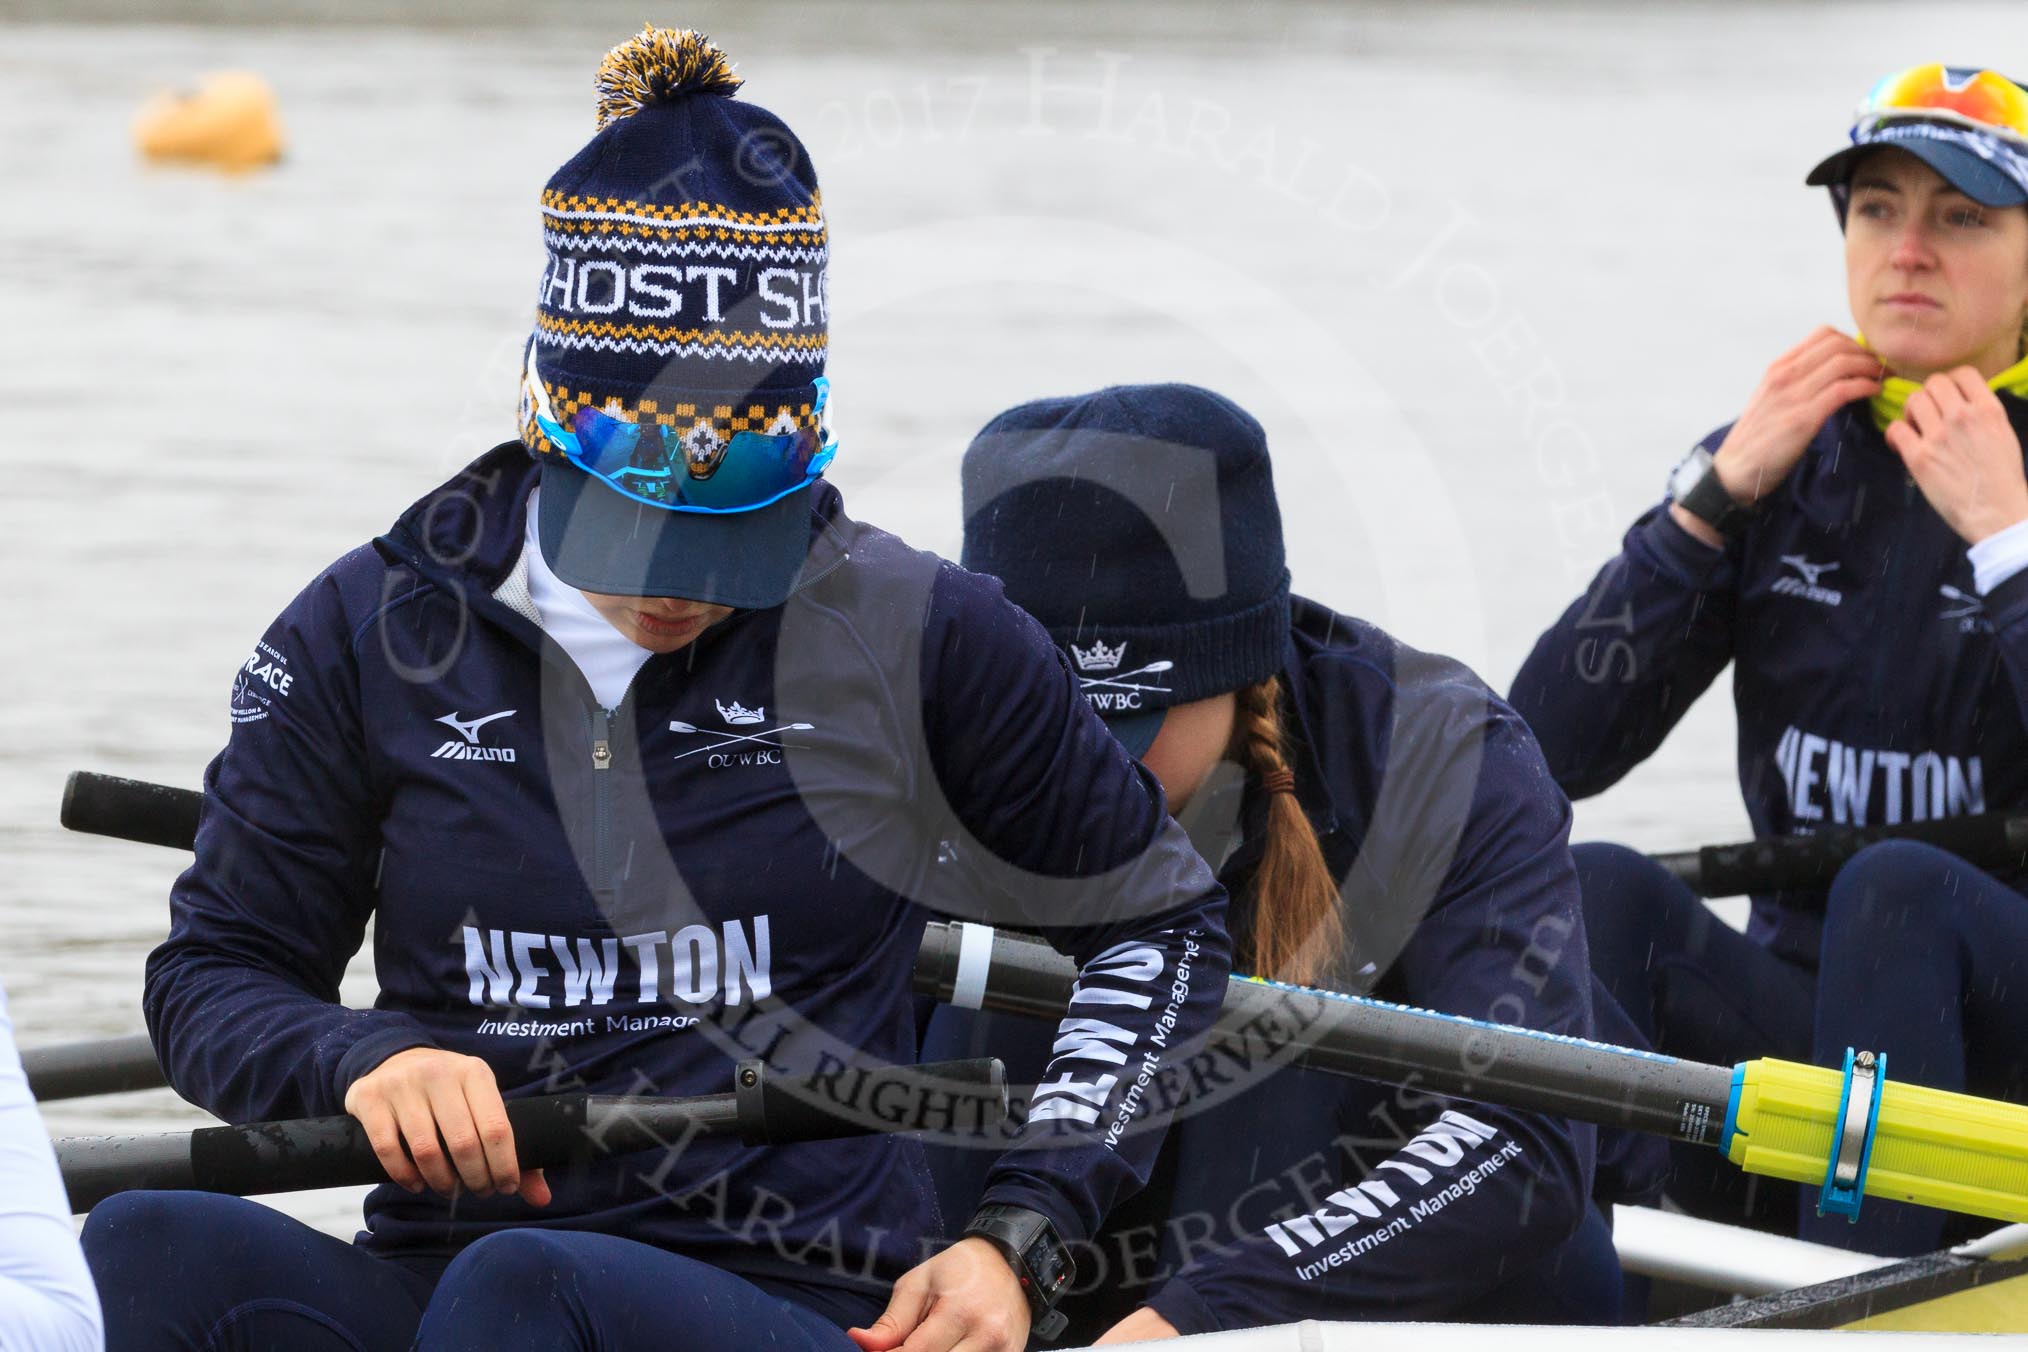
(975, 960)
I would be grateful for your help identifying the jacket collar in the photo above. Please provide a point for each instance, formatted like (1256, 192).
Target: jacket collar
(1892, 401)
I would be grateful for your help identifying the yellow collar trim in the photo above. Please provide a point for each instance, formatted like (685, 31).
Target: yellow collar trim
(1892, 401)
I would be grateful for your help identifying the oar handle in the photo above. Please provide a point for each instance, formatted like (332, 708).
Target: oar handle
(131, 809)
(111, 1065)
(310, 1152)
(328, 1152)
(1264, 1024)
(1992, 840)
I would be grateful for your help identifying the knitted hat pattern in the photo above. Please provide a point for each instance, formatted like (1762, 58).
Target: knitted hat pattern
(684, 283)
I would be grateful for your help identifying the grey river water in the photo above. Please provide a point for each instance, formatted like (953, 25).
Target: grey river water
(1483, 271)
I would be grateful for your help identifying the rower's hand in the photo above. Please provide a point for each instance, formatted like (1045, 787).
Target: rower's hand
(1142, 1326)
(966, 1299)
(1962, 453)
(436, 1119)
(1805, 386)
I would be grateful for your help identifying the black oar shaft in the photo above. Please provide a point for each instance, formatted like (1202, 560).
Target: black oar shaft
(111, 1065)
(156, 814)
(328, 1152)
(1990, 840)
(1348, 1035)
(131, 809)
(1511, 1066)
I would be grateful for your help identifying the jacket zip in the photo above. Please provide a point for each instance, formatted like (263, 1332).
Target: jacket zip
(602, 799)
(1876, 692)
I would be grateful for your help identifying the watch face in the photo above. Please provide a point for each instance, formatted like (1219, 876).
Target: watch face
(1049, 1265)
(1688, 473)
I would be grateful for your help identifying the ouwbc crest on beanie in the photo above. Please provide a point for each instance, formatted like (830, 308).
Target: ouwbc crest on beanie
(1139, 525)
(683, 299)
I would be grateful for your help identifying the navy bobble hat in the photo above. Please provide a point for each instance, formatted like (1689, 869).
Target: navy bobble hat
(684, 291)
(1139, 525)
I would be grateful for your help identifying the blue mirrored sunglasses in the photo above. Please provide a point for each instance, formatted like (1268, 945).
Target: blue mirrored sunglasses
(701, 470)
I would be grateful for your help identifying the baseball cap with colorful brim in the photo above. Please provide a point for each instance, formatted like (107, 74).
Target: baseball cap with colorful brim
(1968, 124)
(710, 505)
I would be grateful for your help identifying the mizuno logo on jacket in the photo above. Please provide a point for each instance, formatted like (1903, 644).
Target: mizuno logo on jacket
(469, 749)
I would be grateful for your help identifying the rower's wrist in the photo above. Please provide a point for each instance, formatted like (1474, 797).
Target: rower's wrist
(1998, 556)
(1698, 529)
(1042, 1266)
(1995, 522)
(1745, 484)
(1700, 503)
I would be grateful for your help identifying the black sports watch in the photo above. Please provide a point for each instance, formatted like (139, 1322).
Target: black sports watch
(1695, 487)
(1028, 1242)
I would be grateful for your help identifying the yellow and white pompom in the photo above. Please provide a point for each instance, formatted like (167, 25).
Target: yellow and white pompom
(661, 65)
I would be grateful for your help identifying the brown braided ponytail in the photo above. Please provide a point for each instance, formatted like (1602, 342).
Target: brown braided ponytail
(1298, 931)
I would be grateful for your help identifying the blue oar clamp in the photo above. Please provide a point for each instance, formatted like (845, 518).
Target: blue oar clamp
(1852, 1138)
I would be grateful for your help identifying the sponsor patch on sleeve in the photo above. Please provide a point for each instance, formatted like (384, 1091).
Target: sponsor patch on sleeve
(264, 679)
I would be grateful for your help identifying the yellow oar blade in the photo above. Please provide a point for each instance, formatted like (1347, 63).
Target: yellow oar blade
(1930, 1147)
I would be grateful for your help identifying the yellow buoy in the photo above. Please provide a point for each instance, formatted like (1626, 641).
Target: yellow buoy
(229, 122)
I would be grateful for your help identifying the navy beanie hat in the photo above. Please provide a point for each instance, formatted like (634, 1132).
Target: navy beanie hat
(686, 249)
(684, 289)
(1139, 525)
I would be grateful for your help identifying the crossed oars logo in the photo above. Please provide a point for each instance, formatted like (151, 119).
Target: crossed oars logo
(1966, 604)
(726, 739)
(1125, 680)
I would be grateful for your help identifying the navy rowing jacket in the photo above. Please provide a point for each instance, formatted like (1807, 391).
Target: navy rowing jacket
(1873, 684)
(1301, 1195)
(735, 862)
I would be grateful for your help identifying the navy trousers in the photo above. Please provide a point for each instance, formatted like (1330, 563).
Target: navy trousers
(1925, 958)
(196, 1272)
(1699, 989)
